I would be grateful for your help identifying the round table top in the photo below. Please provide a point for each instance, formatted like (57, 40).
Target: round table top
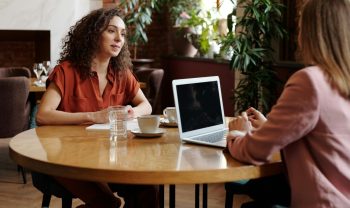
(74, 152)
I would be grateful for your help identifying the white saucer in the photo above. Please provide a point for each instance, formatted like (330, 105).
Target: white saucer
(39, 84)
(165, 122)
(138, 133)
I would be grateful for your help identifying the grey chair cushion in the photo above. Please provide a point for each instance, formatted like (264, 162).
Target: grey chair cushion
(14, 100)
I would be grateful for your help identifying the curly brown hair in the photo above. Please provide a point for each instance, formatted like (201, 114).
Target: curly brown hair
(82, 41)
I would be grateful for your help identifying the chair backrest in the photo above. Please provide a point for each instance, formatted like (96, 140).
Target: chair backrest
(153, 78)
(14, 72)
(14, 100)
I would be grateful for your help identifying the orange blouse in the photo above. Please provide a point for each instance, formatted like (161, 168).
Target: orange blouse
(84, 96)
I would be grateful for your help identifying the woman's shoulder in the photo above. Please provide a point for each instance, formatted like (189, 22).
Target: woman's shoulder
(310, 78)
(65, 67)
(311, 73)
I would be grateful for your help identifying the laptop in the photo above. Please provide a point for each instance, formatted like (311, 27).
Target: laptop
(199, 110)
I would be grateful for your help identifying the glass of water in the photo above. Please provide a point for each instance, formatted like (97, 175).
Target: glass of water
(118, 116)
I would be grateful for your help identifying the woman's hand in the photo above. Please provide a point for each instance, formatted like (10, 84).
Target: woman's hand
(99, 116)
(131, 112)
(256, 118)
(231, 136)
(240, 123)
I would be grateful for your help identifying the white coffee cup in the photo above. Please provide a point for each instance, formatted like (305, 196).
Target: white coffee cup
(148, 123)
(170, 114)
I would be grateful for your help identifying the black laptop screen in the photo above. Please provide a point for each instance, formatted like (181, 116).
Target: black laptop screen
(199, 105)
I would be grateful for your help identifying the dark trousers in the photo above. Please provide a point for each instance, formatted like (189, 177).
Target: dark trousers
(266, 192)
(137, 196)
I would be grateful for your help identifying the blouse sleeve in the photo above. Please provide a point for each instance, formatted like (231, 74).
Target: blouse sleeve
(295, 115)
(132, 86)
(57, 76)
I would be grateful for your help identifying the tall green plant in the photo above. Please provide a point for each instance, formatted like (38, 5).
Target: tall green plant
(252, 53)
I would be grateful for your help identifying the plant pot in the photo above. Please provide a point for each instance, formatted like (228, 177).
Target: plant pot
(182, 46)
(142, 62)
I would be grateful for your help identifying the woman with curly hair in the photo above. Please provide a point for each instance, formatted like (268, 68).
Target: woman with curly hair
(94, 72)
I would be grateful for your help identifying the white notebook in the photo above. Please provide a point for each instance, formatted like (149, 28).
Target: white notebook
(131, 125)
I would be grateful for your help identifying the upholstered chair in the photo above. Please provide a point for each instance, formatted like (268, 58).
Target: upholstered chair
(14, 103)
(14, 100)
(153, 78)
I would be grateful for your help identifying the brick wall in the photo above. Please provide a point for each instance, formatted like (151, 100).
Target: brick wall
(159, 39)
(24, 47)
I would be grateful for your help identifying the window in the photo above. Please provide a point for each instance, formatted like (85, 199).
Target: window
(225, 7)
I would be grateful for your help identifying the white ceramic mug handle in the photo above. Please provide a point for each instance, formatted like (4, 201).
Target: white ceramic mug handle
(164, 113)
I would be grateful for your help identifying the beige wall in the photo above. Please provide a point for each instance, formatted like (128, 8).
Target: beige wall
(54, 15)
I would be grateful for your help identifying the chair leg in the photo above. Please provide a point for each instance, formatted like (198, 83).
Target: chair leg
(67, 202)
(23, 172)
(229, 199)
(46, 200)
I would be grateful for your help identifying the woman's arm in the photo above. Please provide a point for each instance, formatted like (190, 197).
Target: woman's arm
(294, 116)
(49, 115)
(142, 106)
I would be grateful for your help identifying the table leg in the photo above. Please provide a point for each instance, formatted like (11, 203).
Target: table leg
(161, 196)
(196, 197)
(172, 196)
(205, 195)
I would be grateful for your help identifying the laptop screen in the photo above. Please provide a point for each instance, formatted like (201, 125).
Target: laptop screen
(199, 105)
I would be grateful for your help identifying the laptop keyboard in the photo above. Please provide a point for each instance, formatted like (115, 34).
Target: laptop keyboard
(213, 137)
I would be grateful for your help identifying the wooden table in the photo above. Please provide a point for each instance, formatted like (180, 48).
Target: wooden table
(73, 152)
(35, 88)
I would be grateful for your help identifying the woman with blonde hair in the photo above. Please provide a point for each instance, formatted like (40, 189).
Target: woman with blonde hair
(310, 122)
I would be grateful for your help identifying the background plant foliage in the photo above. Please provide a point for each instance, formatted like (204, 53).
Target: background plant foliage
(252, 53)
(138, 14)
(183, 13)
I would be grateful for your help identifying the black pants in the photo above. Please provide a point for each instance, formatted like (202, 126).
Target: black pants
(266, 192)
(137, 196)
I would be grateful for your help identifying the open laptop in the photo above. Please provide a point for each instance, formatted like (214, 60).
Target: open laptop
(199, 110)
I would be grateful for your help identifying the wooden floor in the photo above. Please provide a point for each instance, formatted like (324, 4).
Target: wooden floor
(15, 194)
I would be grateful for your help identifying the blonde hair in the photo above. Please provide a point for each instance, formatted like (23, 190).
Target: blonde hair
(324, 39)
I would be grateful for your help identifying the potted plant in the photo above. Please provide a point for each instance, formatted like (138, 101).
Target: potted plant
(183, 28)
(252, 53)
(204, 31)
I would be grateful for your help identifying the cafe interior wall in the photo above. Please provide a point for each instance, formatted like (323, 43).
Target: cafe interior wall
(55, 16)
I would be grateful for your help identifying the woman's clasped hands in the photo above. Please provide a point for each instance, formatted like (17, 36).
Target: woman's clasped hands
(102, 115)
(248, 120)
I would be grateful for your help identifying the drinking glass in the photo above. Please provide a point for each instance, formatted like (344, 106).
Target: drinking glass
(46, 65)
(117, 120)
(38, 70)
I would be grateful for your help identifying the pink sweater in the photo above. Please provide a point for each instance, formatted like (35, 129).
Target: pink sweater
(311, 123)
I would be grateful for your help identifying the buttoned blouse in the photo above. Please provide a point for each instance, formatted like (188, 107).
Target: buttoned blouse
(83, 95)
